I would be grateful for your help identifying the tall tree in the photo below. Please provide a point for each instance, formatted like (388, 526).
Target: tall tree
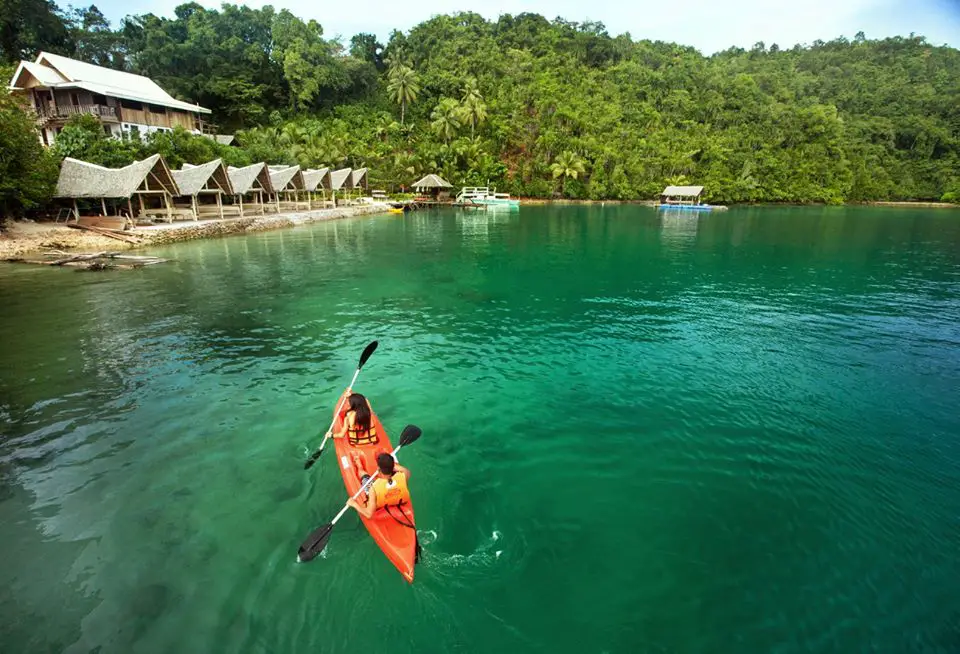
(28, 173)
(403, 87)
(473, 105)
(445, 119)
(29, 26)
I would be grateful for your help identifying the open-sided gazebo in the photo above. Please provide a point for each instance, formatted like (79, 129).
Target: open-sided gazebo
(288, 184)
(150, 180)
(681, 195)
(431, 184)
(252, 182)
(209, 180)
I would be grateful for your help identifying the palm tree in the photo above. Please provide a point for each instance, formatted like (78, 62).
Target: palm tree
(473, 106)
(566, 165)
(403, 87)
(446, 119)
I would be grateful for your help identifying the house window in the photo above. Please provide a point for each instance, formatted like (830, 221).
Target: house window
(130, 104)
(106, 130)
(99, 99)
(75, 99)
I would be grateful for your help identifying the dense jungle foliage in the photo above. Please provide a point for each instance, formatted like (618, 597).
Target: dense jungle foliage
(533, 106)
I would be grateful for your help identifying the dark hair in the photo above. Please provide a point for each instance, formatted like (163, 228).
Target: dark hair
(386, 463)
(358, 404)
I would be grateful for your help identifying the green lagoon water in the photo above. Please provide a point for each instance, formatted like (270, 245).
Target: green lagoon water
(733, 432)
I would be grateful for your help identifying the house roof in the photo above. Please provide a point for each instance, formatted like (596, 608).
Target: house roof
(341, 179)
(211, 176)
(255, 177)
(79, 179)
(43, 75)
(359, 178)
(314, 179)
(286, 178)
(683, 191)
(56, 71)
(432, 181)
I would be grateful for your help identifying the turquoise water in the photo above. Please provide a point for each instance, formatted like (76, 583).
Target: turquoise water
(729, 432)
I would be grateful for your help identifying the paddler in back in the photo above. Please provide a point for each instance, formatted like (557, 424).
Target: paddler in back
(388, 489)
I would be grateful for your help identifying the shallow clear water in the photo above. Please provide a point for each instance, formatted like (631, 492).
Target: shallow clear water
(729, 432)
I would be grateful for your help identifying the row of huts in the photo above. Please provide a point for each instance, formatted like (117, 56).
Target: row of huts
(150, 189)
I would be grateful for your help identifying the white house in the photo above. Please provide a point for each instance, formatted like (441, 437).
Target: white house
(57, 88)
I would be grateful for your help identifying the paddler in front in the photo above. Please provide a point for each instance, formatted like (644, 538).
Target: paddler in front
(389, 489)
(356, 421)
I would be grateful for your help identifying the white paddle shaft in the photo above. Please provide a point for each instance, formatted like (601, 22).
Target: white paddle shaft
(337, 412)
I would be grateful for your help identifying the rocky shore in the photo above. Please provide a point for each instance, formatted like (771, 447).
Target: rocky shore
(21, 239)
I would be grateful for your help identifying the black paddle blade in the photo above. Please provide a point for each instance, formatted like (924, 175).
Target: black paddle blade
(314, 544)
(410, 434)
(313, 459)
(367, 353)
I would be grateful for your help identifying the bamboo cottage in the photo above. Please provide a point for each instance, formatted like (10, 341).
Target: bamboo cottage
(287, 184)
(317, 181)
(251, 182)
(150, 180)
(209, 180)
(340, 180)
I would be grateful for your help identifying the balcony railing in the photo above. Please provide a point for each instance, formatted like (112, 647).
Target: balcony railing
(101, 111)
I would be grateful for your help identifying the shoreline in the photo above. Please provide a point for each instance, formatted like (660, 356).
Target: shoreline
(20, 239)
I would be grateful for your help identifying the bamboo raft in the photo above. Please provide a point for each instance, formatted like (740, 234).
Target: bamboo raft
(95, 260)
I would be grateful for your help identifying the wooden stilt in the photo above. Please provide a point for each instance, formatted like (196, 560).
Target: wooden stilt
(220, 205)
(241, 205)
(103, 206)
(130, 211)
(196, 208)
(166, 201)
(76, 212)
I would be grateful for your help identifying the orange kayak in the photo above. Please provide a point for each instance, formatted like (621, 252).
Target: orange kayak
(392, 530)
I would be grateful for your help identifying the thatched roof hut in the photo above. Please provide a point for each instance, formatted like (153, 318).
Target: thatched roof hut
(286, 178)
(341, 179)
(359, 178)
(254, 178)
(79, 179)
(431, 182)
(211, 177)
(315, 180)
(207, 179)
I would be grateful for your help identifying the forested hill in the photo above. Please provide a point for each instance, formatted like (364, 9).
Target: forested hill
(539, 107)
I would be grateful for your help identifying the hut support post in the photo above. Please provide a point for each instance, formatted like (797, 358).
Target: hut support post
(220, 205)
(130, 211)
(76, 212)
(241, 204)
(103, 206)
(196, 209)
(166, 202)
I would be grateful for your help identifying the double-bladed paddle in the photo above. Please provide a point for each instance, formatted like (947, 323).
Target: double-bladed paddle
(366, 354)
(318, 538)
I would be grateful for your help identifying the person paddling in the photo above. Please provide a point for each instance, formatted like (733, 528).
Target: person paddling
(389, 489)
(356, 421)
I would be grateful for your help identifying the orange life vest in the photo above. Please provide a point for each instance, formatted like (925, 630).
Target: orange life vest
(356, 435)
(391, 493)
